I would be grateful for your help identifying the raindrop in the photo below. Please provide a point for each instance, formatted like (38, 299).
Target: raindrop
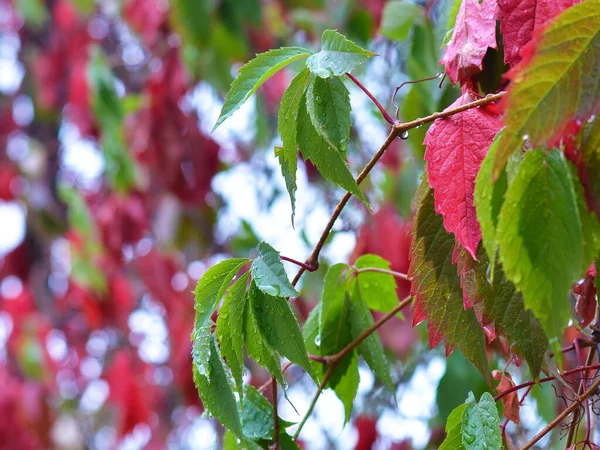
(318, 340)
(488, 274)
(470, 438)
(404, 135)
(525, 137)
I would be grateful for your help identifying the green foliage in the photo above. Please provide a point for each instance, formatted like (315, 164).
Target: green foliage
(398, 18)
(338, 55)
(377, 289)
(229, 324)
(561, 81)
(541, 241)
(279, 326)
(474, 425)
(253, 74)
(328, 160)
(214, 386)
(269, 274)
(481, 424)
(328, 106)
(288, 128)
(208, 292)
(109, 112)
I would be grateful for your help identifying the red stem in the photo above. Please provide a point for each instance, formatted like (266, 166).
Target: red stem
(544, 380)
(384, 113)
(309, 267)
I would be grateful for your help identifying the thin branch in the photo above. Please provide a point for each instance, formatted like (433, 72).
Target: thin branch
(309, 267)
(332, 361)
(576, 414)
(544, 380)
(400, 275)
(576, 403)
(275, 445)
(382, 110)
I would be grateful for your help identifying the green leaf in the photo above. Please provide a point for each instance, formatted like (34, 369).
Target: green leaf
(453, 439)
(288, 126)
(208, 292)
(258, 348)
(329, 162)
(540, 236)
(328, 106)
(503, 307)
(34, 12)
(590, 151)
(229, 324)
(254, 73)
(481, 424)
(109, 113)
(338, 55)
(452, 20)
(371, 349)
(279, 327)
(560, 81)
(488, 199)
(437, 287)
(398, 18)
(229, 441)
(256, 415)
(377, 289)
(590, 228)
(334, 333)
(215, 392)
(269, 274)
(347, 386)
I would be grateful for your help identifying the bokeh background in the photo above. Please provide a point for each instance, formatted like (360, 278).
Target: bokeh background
(115, 198)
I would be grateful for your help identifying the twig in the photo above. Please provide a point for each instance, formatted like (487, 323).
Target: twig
(284, 369)
(544, 380)
(573, 424)
(558, 419)
(382, 110)
(332, 361)
(275, 445)
(401, 85)
(309, 267)
(400, 275)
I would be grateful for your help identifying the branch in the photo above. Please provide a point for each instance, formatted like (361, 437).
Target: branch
(309, 267)
(573, 425)
(563, 415)
(398, 129)
(382, 110)
(400, 275)
(332, 361)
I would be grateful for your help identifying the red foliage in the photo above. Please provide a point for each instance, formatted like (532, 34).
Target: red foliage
(510, 401)
(456, 147)
(474, 33)
(367, 432)
(520, 18)
(586, 304)
(146, 17)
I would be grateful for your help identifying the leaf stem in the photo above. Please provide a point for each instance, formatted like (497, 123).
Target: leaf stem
(275, 445)
(558, 419)
(384, 113)
(400, 275)
(309, 267)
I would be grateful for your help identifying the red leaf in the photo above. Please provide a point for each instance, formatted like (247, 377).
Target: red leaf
(367, 432)
(474, 32)
(456, 146)
(585, 307)
(520, 18)
(510, 401)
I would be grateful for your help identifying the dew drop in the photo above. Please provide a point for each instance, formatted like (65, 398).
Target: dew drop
(591, 119)
(525, 137)
(470, 438)
(489, 275)
(404, 135)
(318, 340)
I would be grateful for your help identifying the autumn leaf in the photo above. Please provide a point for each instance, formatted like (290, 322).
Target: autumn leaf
(456, 146)
(474, 32)
(511, 400)
(520, 18)
(436, 286)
